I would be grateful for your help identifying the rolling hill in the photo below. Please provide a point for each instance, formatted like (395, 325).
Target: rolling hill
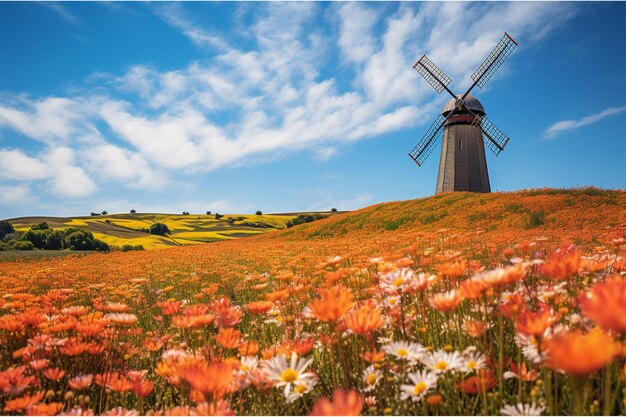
(131, 229)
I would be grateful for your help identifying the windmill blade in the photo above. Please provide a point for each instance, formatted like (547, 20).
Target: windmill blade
(433, 75)
(494, 60)
(426, 145)
(493, 137)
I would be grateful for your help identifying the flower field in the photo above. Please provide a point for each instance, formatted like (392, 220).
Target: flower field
(458, 304)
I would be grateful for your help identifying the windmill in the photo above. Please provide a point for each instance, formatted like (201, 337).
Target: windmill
(463, 126)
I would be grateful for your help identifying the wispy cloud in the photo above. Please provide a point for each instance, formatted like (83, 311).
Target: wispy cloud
(272, 94)
(564, 125)
(62, 11)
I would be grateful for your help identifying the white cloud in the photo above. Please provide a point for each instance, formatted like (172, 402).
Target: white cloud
(62, 11)
(48, 120)
(564, 125)
(325, 154)
(15, 195)
(16, 165)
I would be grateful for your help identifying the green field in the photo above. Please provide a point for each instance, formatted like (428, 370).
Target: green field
(130, 229)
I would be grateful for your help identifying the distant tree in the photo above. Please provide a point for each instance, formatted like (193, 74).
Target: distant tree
(334, 210)
(95, 214)
(159, 229)
(22, 245)
(185, 213)
(208, 213)
(104, 212)
(40, 226)
(230, 220)
(5, 228)
(259, 213)
(218, 216)
(133, 211)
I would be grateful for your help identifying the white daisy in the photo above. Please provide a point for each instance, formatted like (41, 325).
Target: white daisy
(300, 389)
(422, 382)
(370, 378)
(289, 374)
(395, 281)
(521, 409)
(407, 351)
(472, 361)
(441, 361)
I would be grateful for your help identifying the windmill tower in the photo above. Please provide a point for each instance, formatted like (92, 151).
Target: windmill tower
(463, 126)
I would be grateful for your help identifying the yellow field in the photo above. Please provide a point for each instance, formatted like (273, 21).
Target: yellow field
(131, 229)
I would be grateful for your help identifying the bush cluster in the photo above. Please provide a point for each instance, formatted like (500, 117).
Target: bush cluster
(41, 236)
(305, 218)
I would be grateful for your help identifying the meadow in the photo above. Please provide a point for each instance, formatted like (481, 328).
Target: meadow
(458, 304)
(131, 228)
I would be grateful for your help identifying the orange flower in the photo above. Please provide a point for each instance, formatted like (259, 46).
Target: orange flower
(471, 289)
(512, 306)
(521, 372)
(335, 302)
(125, 319)
(80, 382)
(53, 374)
(475, 328)
(49, 409)
(169, 308)
(259, 307)
(209, 379)
(434, 400)
(364, 320)
(534, 322)
(484, 381)
(445, 301)
(345, 403)
(141, 387)
(579, 353)
(562, 265)
(249, 348)
(229, 338)
(22, 403)
(152, 344)
(606, 304)
(373, 357)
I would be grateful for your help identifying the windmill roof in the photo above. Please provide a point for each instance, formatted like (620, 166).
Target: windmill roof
(471, 103)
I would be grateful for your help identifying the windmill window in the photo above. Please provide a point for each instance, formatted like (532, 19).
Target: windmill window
(460, 144)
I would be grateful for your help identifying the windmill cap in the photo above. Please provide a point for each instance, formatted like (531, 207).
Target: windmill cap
(471, 103)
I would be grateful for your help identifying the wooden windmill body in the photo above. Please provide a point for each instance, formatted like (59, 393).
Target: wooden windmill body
(463, 127)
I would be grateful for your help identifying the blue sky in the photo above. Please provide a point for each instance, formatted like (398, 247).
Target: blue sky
(238, 107)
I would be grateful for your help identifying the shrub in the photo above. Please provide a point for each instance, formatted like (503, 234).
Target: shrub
(95, 214)
(138, 247)
(218, 216)
(185, 213)
(3, 246)
(133, 211)
(208, 213)
(22, 245)
(126, 248)
(536, 219)
(305, 218)
(5, 229)
(159, 229)
(259, 213)
(40, 226)
(104, 212)
(334, 210)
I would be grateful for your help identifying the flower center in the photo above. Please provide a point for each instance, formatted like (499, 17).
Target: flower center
(289, 375)
(371, 379)
(299, 389)
(397, 282)
(441, 366)
(471, 365)
(245, 368)
(402, 352)
(419, 388)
